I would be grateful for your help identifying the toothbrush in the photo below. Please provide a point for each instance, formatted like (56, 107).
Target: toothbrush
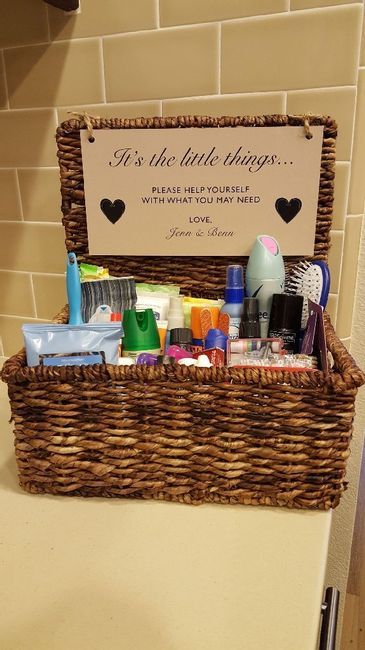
(311, 280)
(73, 290)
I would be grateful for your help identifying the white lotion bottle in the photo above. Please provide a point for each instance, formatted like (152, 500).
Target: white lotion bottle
(265, 275)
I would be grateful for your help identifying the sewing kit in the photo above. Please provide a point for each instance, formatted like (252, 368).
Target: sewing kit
(195, 361)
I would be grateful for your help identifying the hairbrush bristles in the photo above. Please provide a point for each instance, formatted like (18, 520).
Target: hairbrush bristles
(311, 280)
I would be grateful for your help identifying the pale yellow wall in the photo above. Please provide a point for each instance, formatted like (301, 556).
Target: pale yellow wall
(165, 57)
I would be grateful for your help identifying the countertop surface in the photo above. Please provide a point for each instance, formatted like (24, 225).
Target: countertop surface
(109, 574)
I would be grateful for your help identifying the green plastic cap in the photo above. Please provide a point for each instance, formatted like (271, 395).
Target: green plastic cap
(140, 330)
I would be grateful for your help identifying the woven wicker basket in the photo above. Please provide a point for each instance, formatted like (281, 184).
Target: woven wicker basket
(249, 436)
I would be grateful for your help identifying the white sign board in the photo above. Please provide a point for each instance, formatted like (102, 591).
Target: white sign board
(200, 191)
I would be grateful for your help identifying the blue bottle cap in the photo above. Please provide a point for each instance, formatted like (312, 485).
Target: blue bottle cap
(234, 284)
(216, 339)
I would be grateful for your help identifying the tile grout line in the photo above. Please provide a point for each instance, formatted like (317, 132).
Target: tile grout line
(58, 275)
(34, 223)
(355, 112)
(33, 295)
(157, 13)
(2, 55)
(219, 58)
(19, 195)
(103, 85)
(285, 102)
(48, 25)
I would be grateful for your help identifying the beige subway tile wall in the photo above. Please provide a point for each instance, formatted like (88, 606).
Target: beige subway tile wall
(175, 12)
(40, 193)
(357, 184)
(23, 22)
(123, 109)
(252, 104)
(162, 57)
(348, 275)
(110, 17)
(342, 181)
(10, 207)
(54, 74)
(27, 138)
(330, 101)
(255, 52)
(162, 63)
(49, 293)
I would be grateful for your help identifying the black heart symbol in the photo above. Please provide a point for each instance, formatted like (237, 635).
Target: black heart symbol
(113, 210)
(288, 209)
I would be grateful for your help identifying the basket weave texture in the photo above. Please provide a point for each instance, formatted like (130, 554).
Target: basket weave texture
(224, 435)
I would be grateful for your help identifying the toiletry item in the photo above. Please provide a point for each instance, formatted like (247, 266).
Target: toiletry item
(196, 323)
(265, 275)
(287, 362)
(285, 319)
(206, 321)
(158, 302)
(311, 280)
(250, 325)
(103, 314)
(169, 289)
(252, 347)
(147, 359)
(65, 342)
(92, 272)
(162, 331)
(203, 361)
(178, 353)
(319, 347)
(215, 339)
(181, 336)
(215, 355)
(73, 290)
(118, 293)
(233, 296)
(140, 333)
(175, 317)
(85, 359)
(189, 303)
(239, 346)
(187, 361)
(223, 323)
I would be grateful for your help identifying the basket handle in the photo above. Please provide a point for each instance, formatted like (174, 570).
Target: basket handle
(344, 362)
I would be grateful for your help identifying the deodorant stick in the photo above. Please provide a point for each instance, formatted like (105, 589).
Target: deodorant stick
(265, 275)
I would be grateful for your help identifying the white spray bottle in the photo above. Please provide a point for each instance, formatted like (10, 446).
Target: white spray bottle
(265, 275)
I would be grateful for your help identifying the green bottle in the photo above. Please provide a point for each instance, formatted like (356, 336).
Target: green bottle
(140, 333)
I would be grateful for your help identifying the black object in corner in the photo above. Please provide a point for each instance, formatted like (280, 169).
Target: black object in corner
(329, 620)
(65, 5)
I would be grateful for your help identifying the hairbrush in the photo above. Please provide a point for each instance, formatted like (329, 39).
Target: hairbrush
(311, 280)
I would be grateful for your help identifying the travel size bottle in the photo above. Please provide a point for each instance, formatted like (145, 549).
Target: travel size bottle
(285, 319)
(233, 297)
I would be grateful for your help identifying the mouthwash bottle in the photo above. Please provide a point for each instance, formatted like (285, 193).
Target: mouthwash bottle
(233, 297)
